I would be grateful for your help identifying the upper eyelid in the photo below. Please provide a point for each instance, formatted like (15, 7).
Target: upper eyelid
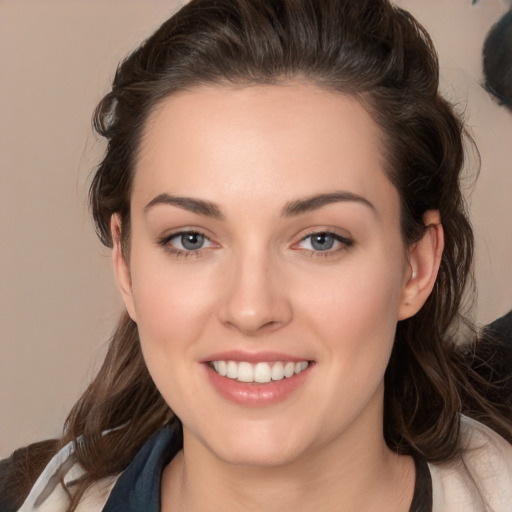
(165, 242)
(184, 231)
(336, 232)
(326, 232)
(339, 238)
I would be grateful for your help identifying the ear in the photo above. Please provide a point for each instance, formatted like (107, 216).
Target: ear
(121, 267)
(424, 258)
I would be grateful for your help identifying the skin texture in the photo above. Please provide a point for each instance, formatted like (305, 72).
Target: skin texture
(258, 284)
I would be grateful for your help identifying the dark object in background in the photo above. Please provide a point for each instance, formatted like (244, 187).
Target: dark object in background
(499, 355)
(497, 61)
(492, 362)
(502, 328)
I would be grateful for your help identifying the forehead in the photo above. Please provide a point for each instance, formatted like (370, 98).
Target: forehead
(297, 139)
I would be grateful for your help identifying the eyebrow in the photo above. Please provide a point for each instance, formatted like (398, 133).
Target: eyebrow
(316, 202)
(293, 208)
(198, 206)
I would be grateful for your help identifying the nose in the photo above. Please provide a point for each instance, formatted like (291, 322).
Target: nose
(255, 299)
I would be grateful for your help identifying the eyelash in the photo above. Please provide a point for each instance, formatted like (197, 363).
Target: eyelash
(180, 253)
(345, 243)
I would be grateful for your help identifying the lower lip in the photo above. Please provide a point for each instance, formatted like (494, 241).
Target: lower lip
(253, 394)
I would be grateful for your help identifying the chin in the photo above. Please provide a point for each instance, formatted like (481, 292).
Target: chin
(260, 445)
(258, 456)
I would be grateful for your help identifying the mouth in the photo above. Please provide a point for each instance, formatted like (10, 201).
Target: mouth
(260, 373)
(256, 380)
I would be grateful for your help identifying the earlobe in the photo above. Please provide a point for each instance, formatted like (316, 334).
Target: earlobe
(424, 258)
(121, 267)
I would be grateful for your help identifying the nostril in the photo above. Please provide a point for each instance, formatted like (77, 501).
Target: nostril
(253, 328)
(253, 304)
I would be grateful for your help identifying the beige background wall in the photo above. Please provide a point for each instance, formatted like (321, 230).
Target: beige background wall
(58, 300)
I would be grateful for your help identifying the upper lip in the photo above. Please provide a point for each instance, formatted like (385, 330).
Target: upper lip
(253, 357)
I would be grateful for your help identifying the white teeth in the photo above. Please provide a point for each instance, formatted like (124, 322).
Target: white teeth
(232, 370)
(245, 372)
(289, 369)
(260, 372)
(221, 368)
(278, 371)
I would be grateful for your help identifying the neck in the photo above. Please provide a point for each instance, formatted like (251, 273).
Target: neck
(355, 471)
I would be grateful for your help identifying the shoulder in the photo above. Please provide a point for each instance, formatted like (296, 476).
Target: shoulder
(141, 478)
(19, 472)
(49, 495)
(480, 478)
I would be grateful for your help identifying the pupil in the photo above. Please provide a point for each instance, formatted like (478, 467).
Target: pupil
(322, 242)
(192, 241)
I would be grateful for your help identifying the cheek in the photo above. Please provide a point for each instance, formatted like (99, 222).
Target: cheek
(354, 312)
(361, 294)
(172, 304)
(173, 310)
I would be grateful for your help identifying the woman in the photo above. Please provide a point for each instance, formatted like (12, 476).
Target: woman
(280, 191)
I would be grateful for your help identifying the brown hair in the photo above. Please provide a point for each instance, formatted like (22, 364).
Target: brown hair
(366, 48)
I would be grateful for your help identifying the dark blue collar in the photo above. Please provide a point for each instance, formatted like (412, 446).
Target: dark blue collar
(138, 488)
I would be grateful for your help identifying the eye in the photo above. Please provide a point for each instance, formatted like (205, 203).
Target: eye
(186, 243)
(190, 241)
(324, 241)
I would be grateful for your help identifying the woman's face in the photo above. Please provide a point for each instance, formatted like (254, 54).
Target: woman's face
(265, 241)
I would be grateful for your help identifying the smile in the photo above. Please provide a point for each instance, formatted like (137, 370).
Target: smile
(261, 372)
